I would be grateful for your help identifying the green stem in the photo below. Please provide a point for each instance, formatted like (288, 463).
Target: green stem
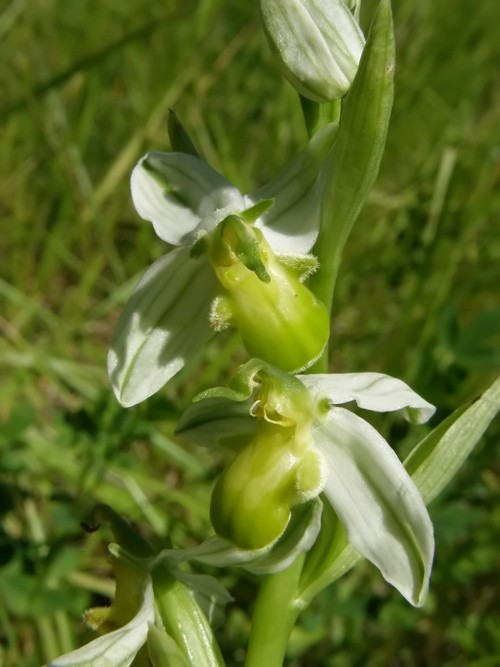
(317, 115)
(274, 616)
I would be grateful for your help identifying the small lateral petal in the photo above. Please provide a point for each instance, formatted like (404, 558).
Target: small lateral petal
(378, 503)
(118, 648)
(164, 323)
(371, 391)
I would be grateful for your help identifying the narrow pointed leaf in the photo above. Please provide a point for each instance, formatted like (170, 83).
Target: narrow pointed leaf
(164, 323)
(435, 460)
(355, 158)
(179, 138)
(330, 557)
(209, 593)
(378, 503)
(163, 651)
(184, 620)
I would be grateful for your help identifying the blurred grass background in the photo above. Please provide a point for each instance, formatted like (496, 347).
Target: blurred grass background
(86, 86)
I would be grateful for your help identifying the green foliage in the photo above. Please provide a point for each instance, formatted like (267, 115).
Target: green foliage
(86, 90)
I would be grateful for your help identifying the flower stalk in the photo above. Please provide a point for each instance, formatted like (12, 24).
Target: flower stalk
(268, 640)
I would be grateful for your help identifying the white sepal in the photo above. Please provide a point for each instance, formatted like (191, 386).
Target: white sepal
(379, 504)
(217, 421)
(318, 44)
(164, 323)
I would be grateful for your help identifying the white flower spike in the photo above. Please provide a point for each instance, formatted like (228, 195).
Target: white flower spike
(375, 498)
(167, 318)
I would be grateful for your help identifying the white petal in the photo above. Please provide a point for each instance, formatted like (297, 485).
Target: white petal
(371, 391)
(379, 504)
(177, 191)
(118, 648)
(291, 225)
(164, 323)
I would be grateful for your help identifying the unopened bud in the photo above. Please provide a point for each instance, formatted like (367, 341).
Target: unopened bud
(318, 44)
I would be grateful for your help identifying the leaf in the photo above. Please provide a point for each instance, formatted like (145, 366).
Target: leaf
(437, 458)
(355, 158)
(179, 138)
(163, 650)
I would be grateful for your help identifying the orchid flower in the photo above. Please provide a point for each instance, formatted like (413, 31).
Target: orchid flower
(158, 610)
(296, 442)
(232, 251)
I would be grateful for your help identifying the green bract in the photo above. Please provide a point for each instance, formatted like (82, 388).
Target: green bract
(318, 44)
(360, 474)
(167, 318)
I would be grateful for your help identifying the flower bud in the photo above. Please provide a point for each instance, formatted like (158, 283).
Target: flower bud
(318, 44)
(280, 320)
(252, 500)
